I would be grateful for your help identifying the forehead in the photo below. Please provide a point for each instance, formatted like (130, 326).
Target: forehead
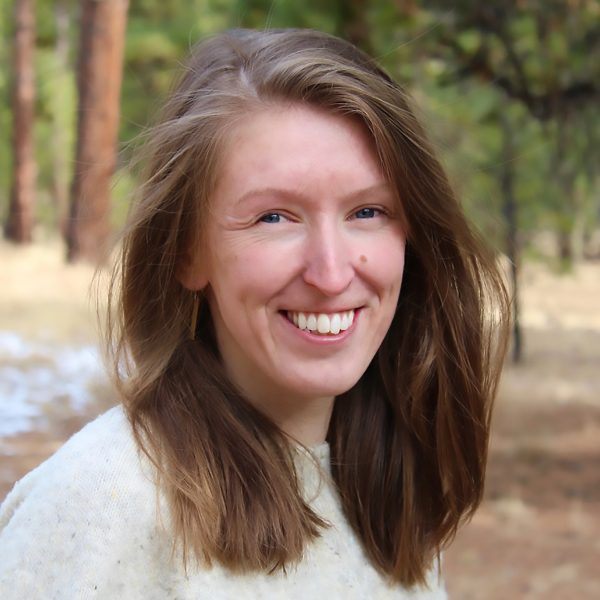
(297, 147)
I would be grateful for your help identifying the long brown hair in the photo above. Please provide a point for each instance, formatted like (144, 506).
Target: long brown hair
(409, 441)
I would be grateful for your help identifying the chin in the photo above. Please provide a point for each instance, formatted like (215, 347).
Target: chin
(316, 389)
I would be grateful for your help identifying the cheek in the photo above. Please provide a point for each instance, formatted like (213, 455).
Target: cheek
(249, 278)
(383, 262)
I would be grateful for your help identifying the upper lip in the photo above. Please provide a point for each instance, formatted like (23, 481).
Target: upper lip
(324, 311)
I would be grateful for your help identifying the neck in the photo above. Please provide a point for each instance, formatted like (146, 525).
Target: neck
(304, 420)
(309, 425)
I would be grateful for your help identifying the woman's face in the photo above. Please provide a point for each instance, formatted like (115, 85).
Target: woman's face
(304, 256)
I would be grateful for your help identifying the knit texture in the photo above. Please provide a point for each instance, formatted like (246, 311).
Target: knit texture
(88, 523)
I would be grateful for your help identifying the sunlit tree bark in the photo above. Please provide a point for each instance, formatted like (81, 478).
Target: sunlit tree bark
(99, 84)
(19, 223)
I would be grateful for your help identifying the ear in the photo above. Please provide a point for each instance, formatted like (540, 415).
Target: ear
(191, 273)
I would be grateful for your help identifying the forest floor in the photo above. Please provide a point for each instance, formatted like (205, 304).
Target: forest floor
(537, 533)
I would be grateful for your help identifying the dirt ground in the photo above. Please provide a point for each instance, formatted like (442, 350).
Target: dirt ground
(537, 534)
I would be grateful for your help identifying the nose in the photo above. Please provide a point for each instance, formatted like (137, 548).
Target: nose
(328, 265)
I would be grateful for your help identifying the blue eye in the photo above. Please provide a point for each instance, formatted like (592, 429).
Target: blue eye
(271, 218)
(366, 213)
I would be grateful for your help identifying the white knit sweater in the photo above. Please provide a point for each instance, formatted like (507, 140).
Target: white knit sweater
(86, 524)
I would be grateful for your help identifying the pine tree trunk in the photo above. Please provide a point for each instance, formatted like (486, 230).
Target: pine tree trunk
(60, 157)
(19, 224)
(99, 85)
(512, 243)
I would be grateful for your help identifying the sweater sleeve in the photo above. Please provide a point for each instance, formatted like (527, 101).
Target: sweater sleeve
(81, 524)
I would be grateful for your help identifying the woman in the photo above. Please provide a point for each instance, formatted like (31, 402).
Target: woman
(302, 344)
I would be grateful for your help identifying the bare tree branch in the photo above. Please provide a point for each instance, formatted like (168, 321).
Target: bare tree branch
(543, 106)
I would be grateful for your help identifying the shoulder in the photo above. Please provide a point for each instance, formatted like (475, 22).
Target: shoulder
(84, 507)
(93, 461)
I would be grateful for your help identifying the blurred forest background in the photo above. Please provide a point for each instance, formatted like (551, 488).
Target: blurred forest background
(510, 93)
(510, 90)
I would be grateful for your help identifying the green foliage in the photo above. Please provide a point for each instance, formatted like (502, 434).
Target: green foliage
(122, 192)
(55, 112)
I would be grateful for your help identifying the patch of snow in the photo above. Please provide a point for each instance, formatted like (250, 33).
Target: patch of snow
(37, 377)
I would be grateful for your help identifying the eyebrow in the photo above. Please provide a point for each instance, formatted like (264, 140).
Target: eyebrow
(376, 188)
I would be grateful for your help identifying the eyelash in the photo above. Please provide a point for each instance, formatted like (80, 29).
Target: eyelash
(374, 212)
(372, 209)
(265, 218)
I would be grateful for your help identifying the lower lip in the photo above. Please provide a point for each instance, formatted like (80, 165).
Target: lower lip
(319, 338)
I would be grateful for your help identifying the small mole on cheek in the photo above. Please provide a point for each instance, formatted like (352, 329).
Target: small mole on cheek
(363, 258)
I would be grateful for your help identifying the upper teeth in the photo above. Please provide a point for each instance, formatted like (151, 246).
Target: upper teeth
(321, 322)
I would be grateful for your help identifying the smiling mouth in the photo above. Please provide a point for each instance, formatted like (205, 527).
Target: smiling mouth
(322, 323)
